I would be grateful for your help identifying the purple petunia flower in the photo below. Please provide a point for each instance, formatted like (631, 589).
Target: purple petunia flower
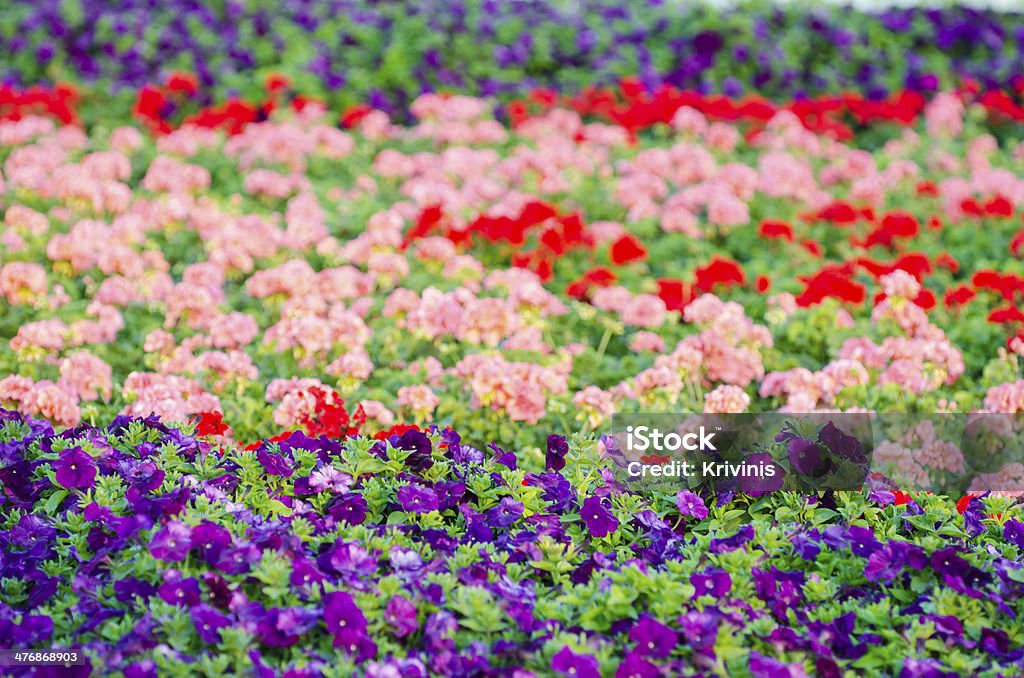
(568, 663)
(554, 460)
(653, 639)
(417, 499)
(924, 667)
(804, 455)
(274, 464)
(172, 542)
(713, 582)
(755, 486)
(635, 666)
(690, 504)
(75, 469)
(767, 667)
(418, 444)
(507, 512)
(210, 540)
(840, 443)
(344, 620)
(726, 544)
(208, 623)
(1013, 532)
(182, 592)
(599, 520)
(349, 508)
(400, 613)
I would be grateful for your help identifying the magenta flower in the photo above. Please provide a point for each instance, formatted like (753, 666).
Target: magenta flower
(599, 520)
(400, 613)
(635, 666)
(417, 499)
(690, 504)
(172, 542)
(345, 621)
(75, 469)
(653, 639)
(568, 663)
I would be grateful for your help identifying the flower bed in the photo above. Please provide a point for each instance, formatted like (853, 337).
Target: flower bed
(387, 53)
(160, 552)
(307, 380)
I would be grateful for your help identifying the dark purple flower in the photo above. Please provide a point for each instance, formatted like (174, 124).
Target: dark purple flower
(400, 613)
(172, 542)
(129, 588)
(713, 582)
(653, 639)
(210, 540)
(568, 663)
(840, 443)
(507, 512)
(449, 493)
(208, 623)
(417, 499)
(274, 464)
(418, 444)
(598, 518)
(344, 620)
(182, 592)
(726, 544)
(1013, 532)
(349, 508)
(804, 455)
(554, 460)
(75, 469)
(756, 485)
(690, 504)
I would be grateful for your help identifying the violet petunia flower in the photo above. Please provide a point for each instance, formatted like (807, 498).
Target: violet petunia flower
(417, 499)
(75, 469)
(208, 623)
(599, 520)
(344, 620)
(653, 639)
(569, 663)
(690, 504)
(400, 613)
(554, 460)
(506, 513)
(172, 542)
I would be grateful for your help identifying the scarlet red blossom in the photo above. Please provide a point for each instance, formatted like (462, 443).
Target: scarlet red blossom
(626, 249)
(839, 213)
(719, 271)
(276, 82)
(1017, 243)
(1006, 284)
(958, 296)
(901, 498)
(599, 276)
(813, 247)
(947, 261)
(894, 225)
(999, 206)
(963, 503)
(762, 283)
(1009, 314)
(353, 115)
(675, 293)
(182, 83)
(776, 229)
(831, 282)
(927, 188)
(211, 424)
(329, 416)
